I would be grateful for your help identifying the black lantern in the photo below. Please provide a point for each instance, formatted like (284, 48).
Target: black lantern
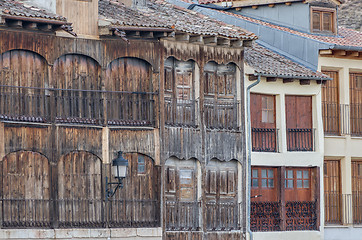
(119, 171)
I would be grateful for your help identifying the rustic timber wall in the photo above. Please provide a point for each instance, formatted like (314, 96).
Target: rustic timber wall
(74, 141)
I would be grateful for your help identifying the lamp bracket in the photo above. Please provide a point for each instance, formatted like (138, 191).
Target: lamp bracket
(109, 192)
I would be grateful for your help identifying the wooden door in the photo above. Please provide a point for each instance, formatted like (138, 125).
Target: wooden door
(299, 123)
(130, 79)
(356, 103)
(26, 190)
(182, 208)
(265, 199)
(357, 191)
(80, 194)
(137, 203)
(179, 92)
(220, 107)
(222, 211)
(23, 74)
(332, 191)
(330, 104)
(264, 135)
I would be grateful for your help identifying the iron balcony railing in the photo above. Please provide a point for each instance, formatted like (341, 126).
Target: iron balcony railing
(182, 216)
(264, 139)
(337, 208)
(300, 139)
(273, 216)
(79, 213)
(71, 106)
(356, 119)
(221, 114)
(357, 207)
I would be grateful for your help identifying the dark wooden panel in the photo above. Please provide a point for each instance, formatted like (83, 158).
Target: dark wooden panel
(80, 190)
(298, 111)
(137, 203)
(26, 190)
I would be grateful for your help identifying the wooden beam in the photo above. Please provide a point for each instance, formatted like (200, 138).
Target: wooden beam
(255, 7)
(288, 3)
(271, 79)
(304, 82)
(133, 34)
(252, 77)
(236, 43)
(210, 40)
(223, 41)
(196, 39)
(15, 23)
(326, 52)
(353, 54)
(105, 31)
(30, 25)
(44, 27)
(238, 9)
(340, 52)
(288, 80)
(159, 34)
(183, 37)
(147, 34)
(271, 5)
(248, 43)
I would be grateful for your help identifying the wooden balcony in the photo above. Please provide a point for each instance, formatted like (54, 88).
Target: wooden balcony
(264, 139)
(182, 215)
(180, 112)
(70, 106)
(221, 114)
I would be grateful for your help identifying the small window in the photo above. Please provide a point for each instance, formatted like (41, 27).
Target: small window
(323, 20)
(358, 81)
(254, 177)
(141, 165)
(267, 111)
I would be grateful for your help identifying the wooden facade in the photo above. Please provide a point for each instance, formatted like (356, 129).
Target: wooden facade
(68, 105)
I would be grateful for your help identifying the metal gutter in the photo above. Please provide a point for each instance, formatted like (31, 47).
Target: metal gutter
(249, 153)
(347, 48)
(293, 76)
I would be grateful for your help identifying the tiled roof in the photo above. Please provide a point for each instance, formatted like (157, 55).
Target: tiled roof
(248, 2)
(267, 62)
(345, 37)
(20, 9)
(160, 14)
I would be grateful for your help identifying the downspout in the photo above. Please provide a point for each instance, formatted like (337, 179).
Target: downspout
(249, 153)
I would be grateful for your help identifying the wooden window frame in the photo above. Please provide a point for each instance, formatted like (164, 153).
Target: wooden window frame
(296, 178)
(260, 177)
(322, 10)
(268, 109)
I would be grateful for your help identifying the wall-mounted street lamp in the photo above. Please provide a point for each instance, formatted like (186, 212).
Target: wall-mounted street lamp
(119, 171)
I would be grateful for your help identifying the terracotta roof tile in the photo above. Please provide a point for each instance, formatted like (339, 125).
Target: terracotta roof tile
(267, 62)
(165, 15)
(345, 37)
(17, 8)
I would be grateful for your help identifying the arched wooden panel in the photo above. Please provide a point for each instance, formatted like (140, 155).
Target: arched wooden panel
(74, 71)
(23, 69)
(80, 190)
(179, 92)
(220, 106)
(26, 190)
(181, 204)
(222, 209)
(83, 73)
(129, 74)
(137, 203)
